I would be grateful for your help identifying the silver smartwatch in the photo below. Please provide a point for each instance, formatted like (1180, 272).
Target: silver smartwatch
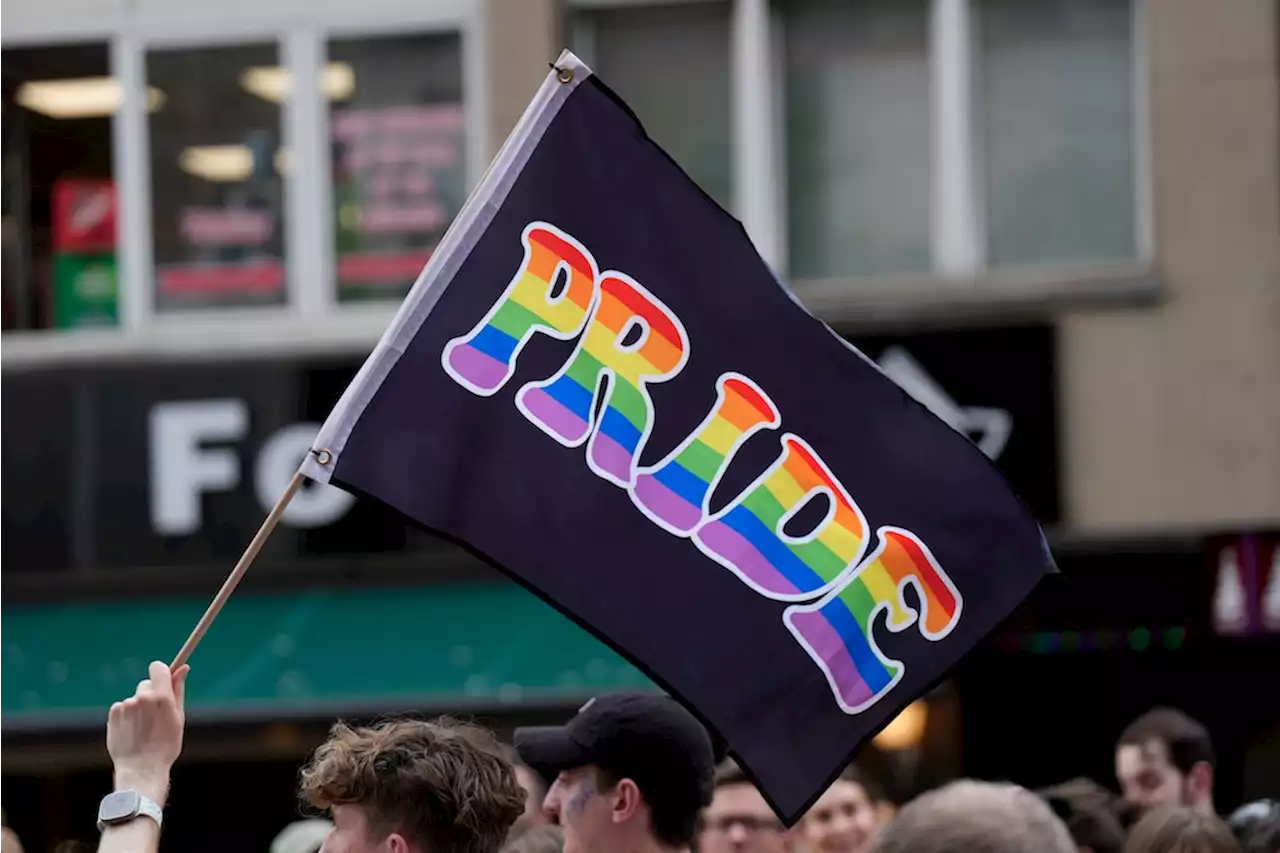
(123, 806)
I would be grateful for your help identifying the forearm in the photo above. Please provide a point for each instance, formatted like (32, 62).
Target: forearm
(136, 836)
(140, 835)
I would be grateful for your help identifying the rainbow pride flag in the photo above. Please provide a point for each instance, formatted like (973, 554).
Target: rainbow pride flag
(598, 387)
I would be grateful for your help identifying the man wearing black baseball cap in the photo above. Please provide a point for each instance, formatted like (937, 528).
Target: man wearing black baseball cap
(631, 773)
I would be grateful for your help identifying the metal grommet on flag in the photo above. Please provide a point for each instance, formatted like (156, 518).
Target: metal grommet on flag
(564, 75)
(324, 457)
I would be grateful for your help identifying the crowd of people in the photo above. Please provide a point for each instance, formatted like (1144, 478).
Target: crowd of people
(637, 773)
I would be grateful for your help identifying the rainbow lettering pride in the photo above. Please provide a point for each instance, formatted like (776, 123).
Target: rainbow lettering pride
(627, 340)
(564, 404)
(675, 492)
(836, 630)
(483, 361)
(746, 536)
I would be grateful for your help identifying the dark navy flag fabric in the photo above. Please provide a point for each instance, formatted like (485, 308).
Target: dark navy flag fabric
(598, 386)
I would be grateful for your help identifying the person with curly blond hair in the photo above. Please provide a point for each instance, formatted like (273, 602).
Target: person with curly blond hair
(411, 786)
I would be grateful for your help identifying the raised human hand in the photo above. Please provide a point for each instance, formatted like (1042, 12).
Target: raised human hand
(144, 732)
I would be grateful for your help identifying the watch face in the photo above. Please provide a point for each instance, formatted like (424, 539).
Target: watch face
(120, 805)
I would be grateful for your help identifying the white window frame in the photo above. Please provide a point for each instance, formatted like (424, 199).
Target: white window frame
(314, 321)
(958, 210)
(311, 319)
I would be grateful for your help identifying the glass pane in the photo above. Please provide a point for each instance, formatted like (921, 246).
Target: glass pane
(399, 165)
(671, 65)
(857, 75)
(1057, 84)
(216, 186)
(59, 235)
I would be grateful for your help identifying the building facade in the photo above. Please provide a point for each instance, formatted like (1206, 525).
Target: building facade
(1106, 167)
(1055, 222)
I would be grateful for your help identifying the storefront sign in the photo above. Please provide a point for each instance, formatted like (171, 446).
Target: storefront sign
(398, 182)
(475, 646)
(85, 289)
(994, 385)
(1246, 583)
(84, 216)
(176, 465)
(193, 452)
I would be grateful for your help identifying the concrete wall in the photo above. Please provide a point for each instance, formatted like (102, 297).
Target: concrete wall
(1172, 414)
(522, 36)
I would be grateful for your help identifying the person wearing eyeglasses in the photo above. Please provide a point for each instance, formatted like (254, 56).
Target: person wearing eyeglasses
(738, 819)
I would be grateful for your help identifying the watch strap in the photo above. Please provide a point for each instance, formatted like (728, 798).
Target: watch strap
(150, 808)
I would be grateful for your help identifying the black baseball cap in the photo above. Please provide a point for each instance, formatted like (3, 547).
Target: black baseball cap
(648, 738)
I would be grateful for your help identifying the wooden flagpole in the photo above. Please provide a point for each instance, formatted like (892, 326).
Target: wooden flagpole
(246, 560)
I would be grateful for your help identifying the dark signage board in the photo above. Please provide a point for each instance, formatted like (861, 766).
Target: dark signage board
(176, 464)
(1245, 568)
(997, 386)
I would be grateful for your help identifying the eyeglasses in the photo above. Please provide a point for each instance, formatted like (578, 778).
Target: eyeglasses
(751, 824)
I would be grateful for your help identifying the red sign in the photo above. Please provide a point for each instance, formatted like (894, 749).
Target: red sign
(375, 268)
(1231, 593)
(84, 215)
(1271, 591)
(218, 227)
(1246, 583)
(221, 279)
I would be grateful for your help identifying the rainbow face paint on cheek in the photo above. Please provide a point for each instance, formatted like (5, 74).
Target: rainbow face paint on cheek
(579, 801)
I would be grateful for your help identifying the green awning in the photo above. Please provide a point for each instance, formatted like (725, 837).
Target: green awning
(475, 647)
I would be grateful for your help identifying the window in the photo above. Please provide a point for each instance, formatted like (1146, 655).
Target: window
(59, 234)
(398, 145)
(892, 138)
(857, 135)
(1057, 92)
(670, 63)
(216, 176)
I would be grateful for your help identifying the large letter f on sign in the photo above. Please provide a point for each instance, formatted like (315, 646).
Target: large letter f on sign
(484, 359)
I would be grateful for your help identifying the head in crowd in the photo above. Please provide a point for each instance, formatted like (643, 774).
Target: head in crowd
(9, 842)
(739, 819)
(846, 817)
(632, 772)
(411, 786)
(975, 817)
(302, 836)
(1165, 758)
(1180, 829)
(535, 790)
(537, 839)
(1256, 826)
(1087, 809)
(71, 845)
